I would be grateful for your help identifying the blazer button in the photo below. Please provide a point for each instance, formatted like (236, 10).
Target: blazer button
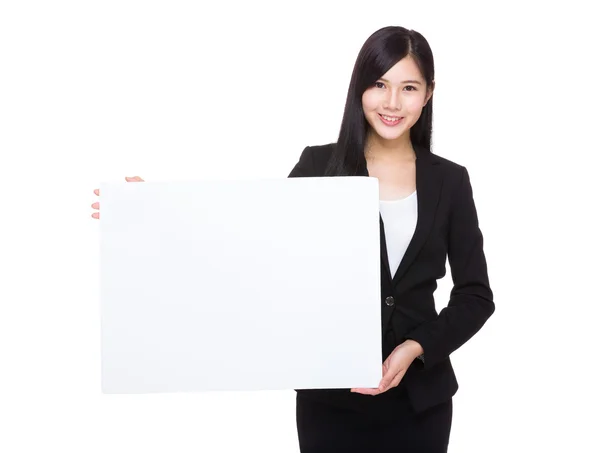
(389, 301)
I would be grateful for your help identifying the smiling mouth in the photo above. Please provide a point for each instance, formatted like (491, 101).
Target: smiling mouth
(390, 120)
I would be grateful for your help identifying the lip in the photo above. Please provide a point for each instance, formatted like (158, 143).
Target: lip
(397, 121)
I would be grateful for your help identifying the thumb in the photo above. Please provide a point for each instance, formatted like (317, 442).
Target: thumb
(383, 384)
(387, 377)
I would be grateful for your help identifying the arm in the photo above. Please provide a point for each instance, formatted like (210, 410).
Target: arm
(471, 299)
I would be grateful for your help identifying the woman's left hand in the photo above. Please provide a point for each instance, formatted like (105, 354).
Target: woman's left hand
(395, 367)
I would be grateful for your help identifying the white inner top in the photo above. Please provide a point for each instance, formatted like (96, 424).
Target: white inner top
(400, 221)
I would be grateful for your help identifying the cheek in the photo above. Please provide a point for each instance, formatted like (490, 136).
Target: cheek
(369, 102)
(415, 105)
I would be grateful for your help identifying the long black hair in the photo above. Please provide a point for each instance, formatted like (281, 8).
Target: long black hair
(382, 50)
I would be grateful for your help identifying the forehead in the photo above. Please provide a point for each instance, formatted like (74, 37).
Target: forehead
(405, 69)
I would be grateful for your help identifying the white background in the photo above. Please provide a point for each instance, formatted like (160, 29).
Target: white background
(94, 91)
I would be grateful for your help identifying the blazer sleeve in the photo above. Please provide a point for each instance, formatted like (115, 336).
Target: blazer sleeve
(471, 298)
(305, 166)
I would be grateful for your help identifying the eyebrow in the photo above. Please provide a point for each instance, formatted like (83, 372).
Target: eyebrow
(405, 81)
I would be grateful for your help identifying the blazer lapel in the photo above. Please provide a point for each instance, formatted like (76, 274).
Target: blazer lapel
(385, 263)
(429, 184)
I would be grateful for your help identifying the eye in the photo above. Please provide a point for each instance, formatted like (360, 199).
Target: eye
(379, 85)
(411, 86)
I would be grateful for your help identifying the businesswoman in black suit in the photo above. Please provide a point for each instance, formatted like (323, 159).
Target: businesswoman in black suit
(427, 214)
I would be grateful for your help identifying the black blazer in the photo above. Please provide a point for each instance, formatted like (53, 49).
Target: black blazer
(447, 226)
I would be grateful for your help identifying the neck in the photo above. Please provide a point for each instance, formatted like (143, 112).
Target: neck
(380, 149)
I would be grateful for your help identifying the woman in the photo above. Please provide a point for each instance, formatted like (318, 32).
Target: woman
(427, 214)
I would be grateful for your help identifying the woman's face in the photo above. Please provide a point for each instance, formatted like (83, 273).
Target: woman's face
(394, 103)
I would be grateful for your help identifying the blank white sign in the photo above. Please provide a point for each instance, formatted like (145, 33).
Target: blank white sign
(240, 285)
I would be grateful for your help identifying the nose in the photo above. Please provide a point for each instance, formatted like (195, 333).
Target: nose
(392, 101)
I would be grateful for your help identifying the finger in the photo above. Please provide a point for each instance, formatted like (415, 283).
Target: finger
(96, 205)
(96, 215)
(394, 382)
(385, 367)
(133, 179)
(366, 391)
(97, 191)
(397, 380)
(389, 377)
(386, 380)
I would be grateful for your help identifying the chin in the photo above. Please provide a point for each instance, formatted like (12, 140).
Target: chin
(389, 135)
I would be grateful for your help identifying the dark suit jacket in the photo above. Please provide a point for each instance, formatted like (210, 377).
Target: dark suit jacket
(447, 226)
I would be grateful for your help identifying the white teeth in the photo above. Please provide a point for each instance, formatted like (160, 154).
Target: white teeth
(389, 118)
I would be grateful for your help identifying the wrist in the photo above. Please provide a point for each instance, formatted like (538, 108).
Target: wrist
(415, 347)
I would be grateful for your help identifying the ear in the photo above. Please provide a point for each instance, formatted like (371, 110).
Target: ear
(429, 92)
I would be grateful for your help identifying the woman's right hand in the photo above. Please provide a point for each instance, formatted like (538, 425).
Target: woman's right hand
(96, 215)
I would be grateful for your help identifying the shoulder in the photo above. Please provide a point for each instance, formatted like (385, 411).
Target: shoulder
(453, 172)
(446, 165)
(454, 176)
(457, 181)
(312, 161)
(320, 153)
(317, 156)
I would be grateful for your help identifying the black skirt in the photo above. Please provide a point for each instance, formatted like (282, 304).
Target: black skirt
(379, 425)
(324, 427)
